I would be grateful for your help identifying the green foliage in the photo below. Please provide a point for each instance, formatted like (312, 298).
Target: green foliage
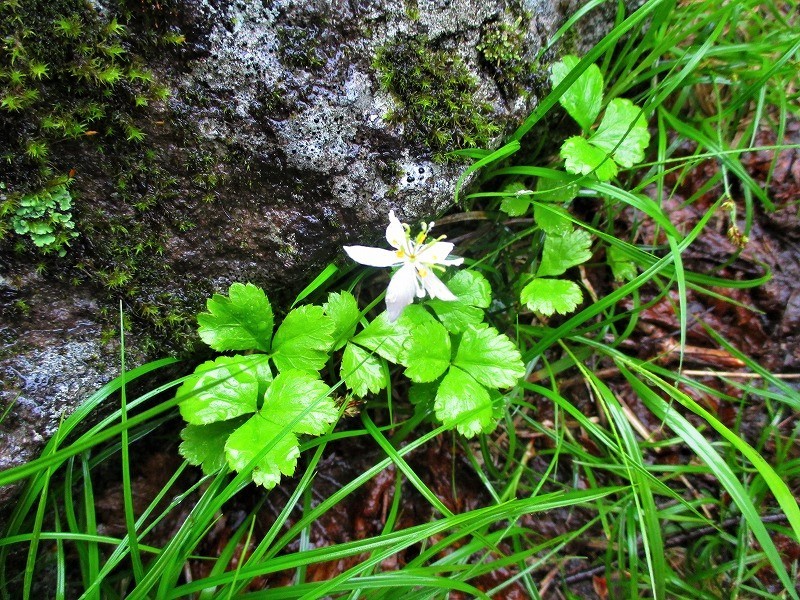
(564, 251)
(436, 96)
(621, 137)
(240, 321)
(278, 390)
(584, 98)
(550, 296)
(293, 402)
(45, 217)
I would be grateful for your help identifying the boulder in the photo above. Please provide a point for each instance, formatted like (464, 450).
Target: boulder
(188, 144)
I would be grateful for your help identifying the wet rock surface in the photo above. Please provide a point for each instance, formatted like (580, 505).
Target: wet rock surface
(280, 141)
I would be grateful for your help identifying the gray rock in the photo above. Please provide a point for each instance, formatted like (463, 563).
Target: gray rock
(273, 150)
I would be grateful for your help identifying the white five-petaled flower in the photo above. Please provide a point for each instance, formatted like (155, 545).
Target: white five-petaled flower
(417, 259)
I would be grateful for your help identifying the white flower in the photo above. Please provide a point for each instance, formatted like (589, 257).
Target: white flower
(417, 260)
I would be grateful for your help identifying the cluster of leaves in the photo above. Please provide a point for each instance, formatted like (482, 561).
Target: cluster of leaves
(45, 217)
(619, 140)
(435, 95)
(246, 410)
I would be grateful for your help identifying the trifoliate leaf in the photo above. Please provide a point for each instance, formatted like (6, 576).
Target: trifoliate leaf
(548, 296)
(471, 288)
(555, 190)
(388, 339)
(427, 352)
(564, 251)
(342, 308)
(362, 371)
(303, 339)
(581, 158)
(490, 357)
(551, 219)
(204, 445)
(584, 98)
(240, 321)
(301, 401)
(621, 115)
(463, 403)
(622, 267)
(219, 390)
(249, 441)
(383, 337)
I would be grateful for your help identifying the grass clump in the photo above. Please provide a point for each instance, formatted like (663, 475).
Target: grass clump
(436, 96)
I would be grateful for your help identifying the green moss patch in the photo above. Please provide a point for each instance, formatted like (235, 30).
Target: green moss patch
(436, 96)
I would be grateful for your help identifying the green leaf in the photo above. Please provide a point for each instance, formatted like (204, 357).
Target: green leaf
(219, 390)
(581, 158)
(362, 371)
(471, 288)
(259, 363)
(549, 296)
(564, 251)
(473, 292)
(490, 357)
(303, 339)
(463, 403)
(622, 267)
(302, 396)
(551, 219)
(584, 98)
(428, 352)
(622, 114)
(555, 190)
(517, 204)
(342, 308)
(422, 395)
(388, 339)
(456, 316)
(250, 439)
(204, 445)
(240, 321)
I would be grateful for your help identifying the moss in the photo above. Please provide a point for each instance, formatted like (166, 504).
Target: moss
(66, 76)
(502, 49)
(436, 96)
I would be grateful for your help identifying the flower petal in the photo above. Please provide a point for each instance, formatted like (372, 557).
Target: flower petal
(436, 254)
(395, 232)
(373, 257)
(435, 287)
(400, 292)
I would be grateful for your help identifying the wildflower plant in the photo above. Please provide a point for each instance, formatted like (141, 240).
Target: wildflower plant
(246, 411)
